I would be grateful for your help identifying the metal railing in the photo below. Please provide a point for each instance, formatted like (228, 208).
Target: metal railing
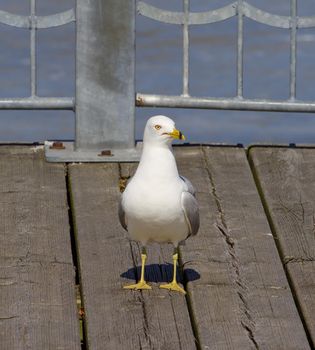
(33, 23)
(241, 9)
(105, 96)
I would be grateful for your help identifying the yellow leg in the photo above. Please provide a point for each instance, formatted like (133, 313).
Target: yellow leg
(174, 285)
(142, 284)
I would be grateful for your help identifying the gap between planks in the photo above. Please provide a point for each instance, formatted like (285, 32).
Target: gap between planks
(35, 255)
(242, 299)
(116, 317)
(284, 179)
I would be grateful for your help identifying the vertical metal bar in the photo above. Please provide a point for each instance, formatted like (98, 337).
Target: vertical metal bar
(240, 50)
(105, 83)
(186, 49)
(33, 48)
(293, 49)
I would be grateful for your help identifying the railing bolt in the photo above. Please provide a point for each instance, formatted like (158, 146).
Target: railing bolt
(139, 101)
(57, 145)
(106, 153)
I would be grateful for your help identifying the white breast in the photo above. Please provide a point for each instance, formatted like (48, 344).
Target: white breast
(152, 199)
(153, 211)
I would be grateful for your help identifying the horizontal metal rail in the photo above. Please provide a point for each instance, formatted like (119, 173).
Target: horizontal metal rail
(64, 103)
(221, 14)
(38, 22)
(235, 103)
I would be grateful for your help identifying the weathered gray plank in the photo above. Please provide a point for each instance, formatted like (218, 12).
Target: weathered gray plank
(37, 285)
(287, 182)
(242, 299)
(171, 308)
(118, 318)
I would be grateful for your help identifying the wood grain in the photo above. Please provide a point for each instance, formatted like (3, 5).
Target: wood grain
(286, 179)
(242, 299)
(37, 285)
(238, 295)
(118, 318)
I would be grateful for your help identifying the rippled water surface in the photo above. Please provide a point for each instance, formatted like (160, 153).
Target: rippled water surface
(159, 67)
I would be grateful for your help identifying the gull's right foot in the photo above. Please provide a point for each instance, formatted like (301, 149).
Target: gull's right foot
(138, 286)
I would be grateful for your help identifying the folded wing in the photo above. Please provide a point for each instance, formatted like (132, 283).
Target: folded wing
(190, 207)
(121, 215)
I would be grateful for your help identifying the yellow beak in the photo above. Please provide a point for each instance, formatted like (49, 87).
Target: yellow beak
(176, 134)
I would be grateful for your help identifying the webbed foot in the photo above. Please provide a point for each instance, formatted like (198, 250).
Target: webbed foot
(138, 286)
(173, 286)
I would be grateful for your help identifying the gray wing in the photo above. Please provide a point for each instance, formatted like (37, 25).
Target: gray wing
(190, 187)
(121, 215)
(190, 207)
(191, 211)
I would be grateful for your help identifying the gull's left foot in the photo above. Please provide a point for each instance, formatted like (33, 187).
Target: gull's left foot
(173, 286)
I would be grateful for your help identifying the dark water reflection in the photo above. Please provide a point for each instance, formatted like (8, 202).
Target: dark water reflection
(159, 66)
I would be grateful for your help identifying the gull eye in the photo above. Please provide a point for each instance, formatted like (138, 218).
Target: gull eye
(157, 127)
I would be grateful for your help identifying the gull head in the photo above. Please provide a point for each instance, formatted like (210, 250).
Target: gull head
(161, 130)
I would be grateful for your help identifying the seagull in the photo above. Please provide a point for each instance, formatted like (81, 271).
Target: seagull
(159, 205)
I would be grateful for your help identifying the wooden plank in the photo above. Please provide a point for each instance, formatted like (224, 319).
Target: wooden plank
(242, 299)
(37, 277)
(171, 308)
(302, 276)
(286, 179)
(121, 319)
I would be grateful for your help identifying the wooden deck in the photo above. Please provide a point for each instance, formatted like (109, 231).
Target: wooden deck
(249, 273)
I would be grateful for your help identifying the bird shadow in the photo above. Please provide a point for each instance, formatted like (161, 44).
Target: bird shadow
(157, 273)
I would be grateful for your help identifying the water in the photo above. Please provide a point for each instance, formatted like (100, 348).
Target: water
(158, 70)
